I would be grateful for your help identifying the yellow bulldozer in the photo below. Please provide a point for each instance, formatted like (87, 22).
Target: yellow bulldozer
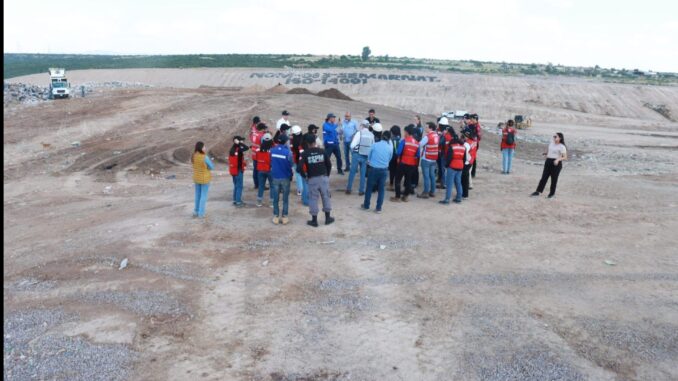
(522, 121)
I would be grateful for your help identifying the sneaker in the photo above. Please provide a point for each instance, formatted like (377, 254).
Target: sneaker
(347, 169)
(361, 193)
(362, 206)
(285, 220)
(239, 204)
(276, 220)
(444, 202)
(348, 191)
(422, 195)
(312, 223)
(394, 199)
(403, 199)
(534, 194)
(259, 204)
(551, 196)
(458, 201)
(341, 173)
(432, 195)
(377, 211)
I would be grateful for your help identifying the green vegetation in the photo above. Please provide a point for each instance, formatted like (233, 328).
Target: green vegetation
(22, 64)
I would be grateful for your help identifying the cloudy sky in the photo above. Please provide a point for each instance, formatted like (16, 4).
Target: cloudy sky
(609, 33)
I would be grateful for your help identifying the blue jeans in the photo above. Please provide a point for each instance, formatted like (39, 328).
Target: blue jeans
(347, 154)
(255, 175)
(453, 177)
(304, 192)
(506, 159)
(428, 170)
(237, 187)
(376, 177)
(262, 177)
(334, 149)
(358, 160)
(299, 180)
(200, 199)
(281, 186)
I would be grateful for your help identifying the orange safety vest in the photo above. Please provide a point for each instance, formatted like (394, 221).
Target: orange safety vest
(201, 174)
(458, 153)
(473, 151)
(409, 155)
(431, 149)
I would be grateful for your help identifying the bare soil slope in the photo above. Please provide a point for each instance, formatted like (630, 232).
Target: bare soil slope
(503, 286)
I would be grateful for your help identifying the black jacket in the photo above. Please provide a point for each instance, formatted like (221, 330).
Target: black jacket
(314, 162)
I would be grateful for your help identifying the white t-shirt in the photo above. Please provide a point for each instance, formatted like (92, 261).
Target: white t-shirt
(282, 121)
(556, 151)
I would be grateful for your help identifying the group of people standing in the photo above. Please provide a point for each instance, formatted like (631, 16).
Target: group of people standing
(448, 156)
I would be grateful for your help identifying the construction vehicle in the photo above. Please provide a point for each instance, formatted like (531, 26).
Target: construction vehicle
(58, 83)
(522, 121)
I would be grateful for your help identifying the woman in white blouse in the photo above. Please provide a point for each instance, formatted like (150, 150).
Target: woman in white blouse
(557, 152)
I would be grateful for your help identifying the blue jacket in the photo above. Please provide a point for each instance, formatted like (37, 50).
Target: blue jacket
(281, 162)
(329, 133)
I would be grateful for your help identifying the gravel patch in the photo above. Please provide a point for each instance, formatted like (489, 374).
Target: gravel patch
(32, 353)
(146, 303)
(534, 363)
(31, 285)
(532, 279)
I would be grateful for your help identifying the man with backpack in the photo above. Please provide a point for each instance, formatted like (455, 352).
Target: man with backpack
(360, 147)
(508, 146)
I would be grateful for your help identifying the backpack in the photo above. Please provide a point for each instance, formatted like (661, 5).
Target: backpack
(510, 138)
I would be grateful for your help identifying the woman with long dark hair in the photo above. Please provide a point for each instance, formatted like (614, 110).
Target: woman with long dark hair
(202, 165)
(556, 154)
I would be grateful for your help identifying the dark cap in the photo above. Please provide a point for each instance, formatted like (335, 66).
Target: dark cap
(312, 127)
(284, 127)
(330, 115)
(282, 139)
(285, 112)
(467, 116)
(309, 138)
(474, 116)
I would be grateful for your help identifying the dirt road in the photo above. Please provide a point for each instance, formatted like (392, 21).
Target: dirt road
(501, 287)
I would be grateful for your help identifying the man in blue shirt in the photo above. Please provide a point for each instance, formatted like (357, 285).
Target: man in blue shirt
(378, 159)
(281, 172)
(348, 128)
(331, 140)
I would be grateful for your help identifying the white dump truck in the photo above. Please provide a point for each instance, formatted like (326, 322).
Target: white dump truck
(58, 84)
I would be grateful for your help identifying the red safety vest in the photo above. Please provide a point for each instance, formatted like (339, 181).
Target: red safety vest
(409, 154)
(447, 137)
(255, 137)
(263, 161)
(431, 149)
(474, 149)
(458, 153)
(233, 163)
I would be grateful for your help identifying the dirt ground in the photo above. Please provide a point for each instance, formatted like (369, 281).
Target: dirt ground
(500, 287)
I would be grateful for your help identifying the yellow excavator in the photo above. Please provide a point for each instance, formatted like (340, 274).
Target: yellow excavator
(522, 121)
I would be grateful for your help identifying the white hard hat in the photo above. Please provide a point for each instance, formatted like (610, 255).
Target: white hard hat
(377, 127)
(444, 121)
(296, 130)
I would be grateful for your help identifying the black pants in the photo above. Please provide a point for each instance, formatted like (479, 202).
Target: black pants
(406, 171)
(415, 178)
(475, 162)
(464, 180)
(551, 171)
(392, 170)
(334, 149)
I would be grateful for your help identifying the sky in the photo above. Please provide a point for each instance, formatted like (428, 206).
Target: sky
(613, 34)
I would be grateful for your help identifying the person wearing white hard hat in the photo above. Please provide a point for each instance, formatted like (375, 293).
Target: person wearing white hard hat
(360, 147)
(285, 119)
(445, 137)
(297, 150)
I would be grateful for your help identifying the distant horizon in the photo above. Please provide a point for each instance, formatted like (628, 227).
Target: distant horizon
(103, 53)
